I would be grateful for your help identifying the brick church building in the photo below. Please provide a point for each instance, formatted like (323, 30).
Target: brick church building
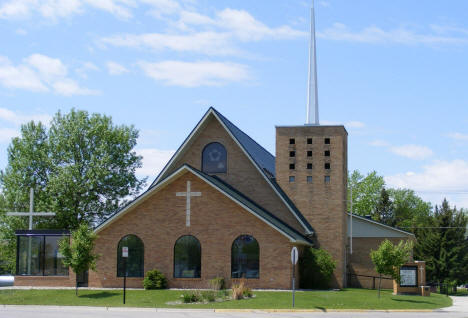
(223, 206)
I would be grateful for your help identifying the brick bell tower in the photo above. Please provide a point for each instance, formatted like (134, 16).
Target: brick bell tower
(312, 168)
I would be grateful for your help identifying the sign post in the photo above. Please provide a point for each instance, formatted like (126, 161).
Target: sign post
(125, 256)
(294, 258)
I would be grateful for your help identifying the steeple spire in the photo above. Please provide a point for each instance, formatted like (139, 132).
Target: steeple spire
(312, 90)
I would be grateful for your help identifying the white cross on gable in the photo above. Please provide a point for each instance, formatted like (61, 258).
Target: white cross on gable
(188, 194)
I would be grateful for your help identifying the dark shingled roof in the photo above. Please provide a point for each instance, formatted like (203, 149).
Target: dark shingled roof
(260, 155)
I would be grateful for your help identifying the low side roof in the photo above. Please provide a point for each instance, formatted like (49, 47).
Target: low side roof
(224, 188)
(364, 227)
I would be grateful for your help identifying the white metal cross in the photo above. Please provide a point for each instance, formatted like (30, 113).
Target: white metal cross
(31, 213)
(188, 194)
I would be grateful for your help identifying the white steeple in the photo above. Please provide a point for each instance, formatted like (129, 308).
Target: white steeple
(312, 91)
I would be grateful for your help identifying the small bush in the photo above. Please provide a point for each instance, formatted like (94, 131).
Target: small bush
(316, 268)
(191, 297)
(240, 291)
(209, 296)
(217, 283)
(154, 279)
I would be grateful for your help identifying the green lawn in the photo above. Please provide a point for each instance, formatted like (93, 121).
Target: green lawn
(344, 299)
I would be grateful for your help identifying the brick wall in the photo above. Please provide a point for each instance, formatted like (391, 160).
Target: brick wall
(216, 222)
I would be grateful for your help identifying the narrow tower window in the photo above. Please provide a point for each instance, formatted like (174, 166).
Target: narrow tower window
(292, 179)
(327, 165)
(292, 141)
(327, 153)
(309, 166)
(292, 166)
(309, 179)
(292, 154)
(309, 153)
(327, 141)
(309, 141)
(327, 179)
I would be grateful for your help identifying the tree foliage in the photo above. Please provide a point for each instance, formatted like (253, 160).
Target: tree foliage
(316, 268)
(78, 250)
(82, 168)
(388, 258)
(442, 244)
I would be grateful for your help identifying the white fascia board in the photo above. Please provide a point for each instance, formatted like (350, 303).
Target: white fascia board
(263, 174)
(380, 224)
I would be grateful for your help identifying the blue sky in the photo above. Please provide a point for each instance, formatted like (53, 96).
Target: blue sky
(394, 72)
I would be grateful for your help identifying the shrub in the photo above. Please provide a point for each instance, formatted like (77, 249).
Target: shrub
(191, 297)
(209, 295)
(154, 279)
(316, 268)
(217, 283)
(240, 291)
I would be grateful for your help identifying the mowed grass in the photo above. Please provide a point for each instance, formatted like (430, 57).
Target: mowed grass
(322, 300)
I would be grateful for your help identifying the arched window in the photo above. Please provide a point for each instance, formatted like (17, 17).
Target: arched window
(214, 158)
(187, 257)
(135, 259)
(245, 257)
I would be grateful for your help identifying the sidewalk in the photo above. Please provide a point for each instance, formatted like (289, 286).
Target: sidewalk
(460, 304)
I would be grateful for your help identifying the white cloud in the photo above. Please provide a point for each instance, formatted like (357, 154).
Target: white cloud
(21, 31)
(18, 119)
(355, 124)
(412, 151)
(20, 76)
(379, 143)
(160, 7)
(199, 33)
(118, 8)
(48, 67)
(437, 180)
(85, 68)
(459, 136)
(55, 9)
(40, 73)
(376, 35)
(115, 68)
(210, 43)
(69, 87)
(192, 74)
(154, 161)
(6, 134)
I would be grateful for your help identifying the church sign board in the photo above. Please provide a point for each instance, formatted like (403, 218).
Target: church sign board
(409, 276)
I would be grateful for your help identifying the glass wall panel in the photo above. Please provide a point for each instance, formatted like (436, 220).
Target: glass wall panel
(53, 265)
(30, 258)
(245, 257)
(187, 257)
(135, 259)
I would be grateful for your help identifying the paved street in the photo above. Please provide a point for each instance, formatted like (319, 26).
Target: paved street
(459, 310)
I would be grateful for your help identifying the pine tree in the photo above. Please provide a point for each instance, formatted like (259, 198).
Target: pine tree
(442, 244)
